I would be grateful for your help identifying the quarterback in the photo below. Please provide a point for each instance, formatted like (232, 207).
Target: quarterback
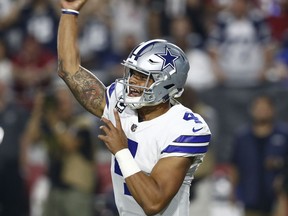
(156, 143)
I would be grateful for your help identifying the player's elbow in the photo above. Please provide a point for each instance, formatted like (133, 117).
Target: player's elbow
(60, 68)
(67, 67)
(152, 209)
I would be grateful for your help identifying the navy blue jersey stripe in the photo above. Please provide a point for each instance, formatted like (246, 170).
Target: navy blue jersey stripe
(111, 89)
(126, 190)
(185, 149)
(107, 99)
(193, 139)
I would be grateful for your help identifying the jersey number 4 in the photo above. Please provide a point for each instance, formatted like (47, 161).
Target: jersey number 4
(190, 116)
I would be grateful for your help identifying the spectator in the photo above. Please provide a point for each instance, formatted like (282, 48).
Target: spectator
(70, 150)
(33, 68)
(129, 17)
(182, 33)
(39, 19)
(240, 51)
(163, 12)
(95, 35)
(10, 12)
(279, 71)
(240, 46)
(277, 19)
(259, 153)
(13, 197)
(198, 14)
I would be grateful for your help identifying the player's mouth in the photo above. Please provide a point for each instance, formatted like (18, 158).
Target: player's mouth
(133, 92)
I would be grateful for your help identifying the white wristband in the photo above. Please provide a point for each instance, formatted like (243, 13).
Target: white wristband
(126, 163)
(70, 11)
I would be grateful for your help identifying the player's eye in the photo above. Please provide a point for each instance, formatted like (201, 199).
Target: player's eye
(138, 75)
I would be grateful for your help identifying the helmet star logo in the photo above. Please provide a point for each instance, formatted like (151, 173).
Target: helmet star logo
(168, 59)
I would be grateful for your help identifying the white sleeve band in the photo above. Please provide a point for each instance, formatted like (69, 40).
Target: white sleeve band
(70, 11)
(126, 163)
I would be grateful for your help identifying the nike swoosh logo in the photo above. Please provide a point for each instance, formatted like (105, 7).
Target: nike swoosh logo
(196, 130)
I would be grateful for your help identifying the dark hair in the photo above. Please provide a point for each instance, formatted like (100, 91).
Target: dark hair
(265, 96)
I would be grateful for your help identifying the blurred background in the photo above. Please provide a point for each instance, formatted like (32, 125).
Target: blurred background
(51, 162)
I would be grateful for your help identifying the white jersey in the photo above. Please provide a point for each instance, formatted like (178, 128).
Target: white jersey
(178, 132)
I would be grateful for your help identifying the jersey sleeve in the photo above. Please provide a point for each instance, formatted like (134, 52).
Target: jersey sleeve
(187, 137)
(110, 97)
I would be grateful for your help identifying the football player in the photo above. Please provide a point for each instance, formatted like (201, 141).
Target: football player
(156, 143)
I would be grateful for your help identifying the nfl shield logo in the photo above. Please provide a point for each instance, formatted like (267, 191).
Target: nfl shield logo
(133, 127)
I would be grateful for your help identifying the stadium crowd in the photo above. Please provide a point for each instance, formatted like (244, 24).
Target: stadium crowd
(238, 81)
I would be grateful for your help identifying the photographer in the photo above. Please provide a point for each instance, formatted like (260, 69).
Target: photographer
(69, 145)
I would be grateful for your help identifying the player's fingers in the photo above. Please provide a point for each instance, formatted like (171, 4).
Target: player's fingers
(108, 123)
(101, 136)
(117, 118)
(105, 129)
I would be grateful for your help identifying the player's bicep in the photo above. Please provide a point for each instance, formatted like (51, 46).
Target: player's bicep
(169, 173)
(87, 89)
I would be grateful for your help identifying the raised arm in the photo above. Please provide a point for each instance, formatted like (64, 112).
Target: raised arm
(86, 87)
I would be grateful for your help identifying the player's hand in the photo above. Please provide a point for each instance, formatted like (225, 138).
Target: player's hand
(73, 4)
(114, 138)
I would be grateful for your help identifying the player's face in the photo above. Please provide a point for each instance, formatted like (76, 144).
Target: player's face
(138, 79)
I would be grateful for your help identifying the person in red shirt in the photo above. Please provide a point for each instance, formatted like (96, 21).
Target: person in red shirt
(33, 68)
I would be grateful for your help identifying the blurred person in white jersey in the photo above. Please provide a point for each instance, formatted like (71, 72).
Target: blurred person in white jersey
(156, 143)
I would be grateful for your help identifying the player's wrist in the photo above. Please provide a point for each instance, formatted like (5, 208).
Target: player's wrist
(70, 11)
(126, 163)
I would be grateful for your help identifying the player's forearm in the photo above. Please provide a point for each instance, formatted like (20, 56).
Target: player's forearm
(148, 194)
(68, 52)
(87, 89)
(155, 191)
